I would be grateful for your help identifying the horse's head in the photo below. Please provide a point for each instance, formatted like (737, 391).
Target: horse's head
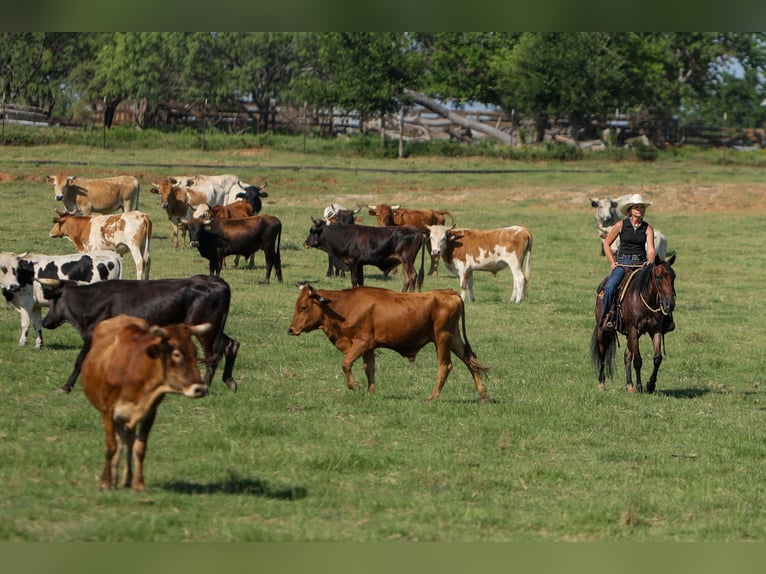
(663, 279)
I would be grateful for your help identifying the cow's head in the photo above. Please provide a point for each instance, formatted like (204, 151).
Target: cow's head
(60, 223)
(9, 272)
(310, 309)
(315, 233)
(196, 227)
(440, 236)
(52, 291)
(606, 211)
(169, 190)
(383, 213)
(174, 346)
(60, 183)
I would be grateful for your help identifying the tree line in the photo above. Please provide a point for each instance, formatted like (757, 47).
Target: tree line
(711, 78)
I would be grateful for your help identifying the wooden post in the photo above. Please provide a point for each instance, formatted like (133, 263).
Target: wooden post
(305, 124)
(204, 126)
(104, 122)
(401, 132)
(3, 118)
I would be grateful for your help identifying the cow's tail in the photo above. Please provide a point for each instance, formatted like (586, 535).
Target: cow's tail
(279, 242)
(470, 356)
(527, 265)
(147, 258)
(421, 273)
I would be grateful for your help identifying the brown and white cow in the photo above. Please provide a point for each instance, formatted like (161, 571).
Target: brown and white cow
(420, 218)
(467, 250)
(179, 204)
(103, 195)
(122, 232)
(129, 369)
(359, 320)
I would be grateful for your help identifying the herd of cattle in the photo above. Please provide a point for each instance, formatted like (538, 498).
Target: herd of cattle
(148, 324)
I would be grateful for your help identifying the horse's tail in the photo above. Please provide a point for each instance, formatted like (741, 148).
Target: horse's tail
(606, 360)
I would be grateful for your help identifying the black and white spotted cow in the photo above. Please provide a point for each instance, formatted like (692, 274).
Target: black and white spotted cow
(23, 293)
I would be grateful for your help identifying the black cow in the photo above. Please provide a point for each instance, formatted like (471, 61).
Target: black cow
(252, 194)
(338, 215)
(196, 300)
(217, 238)
(383, 247)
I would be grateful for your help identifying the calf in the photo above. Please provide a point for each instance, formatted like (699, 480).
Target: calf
(467, 250)
(102, 195)
(23, 293)
(420, 218)
(126, 375)
(179, 203)
(358, 321)
(360, 245)
(131, 231)
(197, 299)
(217, 238)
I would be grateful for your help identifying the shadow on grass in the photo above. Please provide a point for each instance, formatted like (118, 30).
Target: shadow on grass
(62, 346)
(683, 393)
(237, 485)
(443, 399)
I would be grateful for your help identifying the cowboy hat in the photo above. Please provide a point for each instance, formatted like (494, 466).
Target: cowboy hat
(630, 200)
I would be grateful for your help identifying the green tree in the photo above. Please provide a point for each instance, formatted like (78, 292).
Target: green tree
(559, 75)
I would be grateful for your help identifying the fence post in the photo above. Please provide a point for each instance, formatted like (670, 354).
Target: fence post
(104, 122)
(204, 126)
(3, 118)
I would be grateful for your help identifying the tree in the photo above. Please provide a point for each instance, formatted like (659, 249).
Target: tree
(559, 75)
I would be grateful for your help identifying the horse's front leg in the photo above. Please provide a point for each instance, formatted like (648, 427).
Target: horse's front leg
(632, 356)
(657, 346)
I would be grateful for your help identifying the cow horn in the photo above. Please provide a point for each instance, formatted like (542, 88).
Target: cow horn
(371, 207)
(48, 281)
(397, 206)
(200, 329)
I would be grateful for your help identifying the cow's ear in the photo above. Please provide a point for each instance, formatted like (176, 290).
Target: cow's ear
(70, 179)
(159, 344)
(49, 178)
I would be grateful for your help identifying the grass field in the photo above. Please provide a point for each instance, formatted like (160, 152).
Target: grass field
(295, 456)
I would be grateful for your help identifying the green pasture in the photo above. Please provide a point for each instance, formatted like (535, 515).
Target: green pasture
(295, 456)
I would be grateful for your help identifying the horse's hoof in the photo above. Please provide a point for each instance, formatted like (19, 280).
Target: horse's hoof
(630, 388)
(601, 387)
(232, 384)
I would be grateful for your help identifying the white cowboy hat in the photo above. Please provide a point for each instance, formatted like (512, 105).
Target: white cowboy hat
(630, 200)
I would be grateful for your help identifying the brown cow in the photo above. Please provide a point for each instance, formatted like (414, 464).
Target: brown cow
(179, 203)
(359, 320)
(420, 218)
(127, 372)
(102, 195)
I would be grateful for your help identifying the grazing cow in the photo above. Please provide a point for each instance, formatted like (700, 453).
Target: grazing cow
(197, 299)
(607, 215)
(217, 238)
(467, 250)
(358, 321)
(336, 214)
(360, 245)
(102, 195)
(215, 188)
(420, 218)
(23, 293)
(126, 375)
(123, 232)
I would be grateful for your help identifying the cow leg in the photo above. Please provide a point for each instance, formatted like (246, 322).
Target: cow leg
(349, 359)
(67, 387)
(111, 453)
(444, 362)
(357, 275)
(466, 284)
(410, 278)
(25, 322)
(37, 326)
(128, 436)
(174, 228)
(139, 448)
(518, 282)
(230, 355)
(369, 370)
(465, 354)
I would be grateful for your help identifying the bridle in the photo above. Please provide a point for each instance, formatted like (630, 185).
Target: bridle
(659, 308)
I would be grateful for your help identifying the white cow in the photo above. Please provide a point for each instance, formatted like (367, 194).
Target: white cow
(123, 232)
(467, 250)
(217, 189)
(18, 274)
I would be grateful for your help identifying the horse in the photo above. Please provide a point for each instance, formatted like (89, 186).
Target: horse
(646, 307)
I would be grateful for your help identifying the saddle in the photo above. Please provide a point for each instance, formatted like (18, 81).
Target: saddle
(622, 288)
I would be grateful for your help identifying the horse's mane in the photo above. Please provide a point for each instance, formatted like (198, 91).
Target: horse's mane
(644, 276)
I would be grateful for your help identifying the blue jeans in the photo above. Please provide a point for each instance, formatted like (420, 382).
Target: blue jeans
(614, 280)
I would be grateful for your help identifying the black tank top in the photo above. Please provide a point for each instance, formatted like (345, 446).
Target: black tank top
(633, 241)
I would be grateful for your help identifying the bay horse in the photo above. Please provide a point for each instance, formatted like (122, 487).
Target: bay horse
(646, 306)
